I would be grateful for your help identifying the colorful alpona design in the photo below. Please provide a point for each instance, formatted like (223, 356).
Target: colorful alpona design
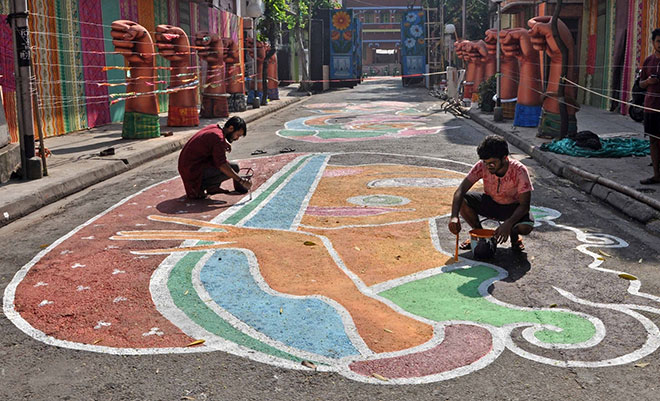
(346, 122)
(335, 262)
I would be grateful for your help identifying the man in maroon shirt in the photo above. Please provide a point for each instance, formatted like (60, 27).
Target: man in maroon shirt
(203, 164)
(650, 80)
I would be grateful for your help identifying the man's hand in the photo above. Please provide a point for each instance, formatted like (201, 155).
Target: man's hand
(651, 81)
(503, 232)
(245, 183)
(455, 225)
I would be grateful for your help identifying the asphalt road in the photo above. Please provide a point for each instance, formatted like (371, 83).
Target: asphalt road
(554, 323)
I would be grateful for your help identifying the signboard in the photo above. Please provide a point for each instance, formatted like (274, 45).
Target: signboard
(413, 44)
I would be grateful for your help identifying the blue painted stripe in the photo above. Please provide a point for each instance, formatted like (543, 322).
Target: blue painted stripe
(304, 323)
(283, 208)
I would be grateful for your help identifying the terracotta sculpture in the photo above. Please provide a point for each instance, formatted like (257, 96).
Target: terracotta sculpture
(174, 46)
(478, 56)
(234, 76)
(509, 77)
(491, 61)
(462, 54)
(133, 42)
(543, 40)
(271, 75)
(261, 55)
(516, 43)
(214, 97)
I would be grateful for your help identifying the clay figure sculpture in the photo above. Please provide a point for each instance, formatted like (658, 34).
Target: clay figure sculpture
(516, 43)
(261, 56)
(510, 74)
(173, 45)
(478, 55)
(133, 42)
(271, 75)
(214, 96)
(462, 54)
(234, 76)
(542, 39)
(491, 62)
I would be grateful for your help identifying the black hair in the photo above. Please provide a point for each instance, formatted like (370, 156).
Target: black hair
(238, 124)
(493, 146)
(654, 33)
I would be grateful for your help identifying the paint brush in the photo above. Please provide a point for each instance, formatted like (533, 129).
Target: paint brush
(456, 252)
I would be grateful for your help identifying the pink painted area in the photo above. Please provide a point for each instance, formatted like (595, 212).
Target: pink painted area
(342, 172)
(463, 345)
(88, 278)
(348, 211)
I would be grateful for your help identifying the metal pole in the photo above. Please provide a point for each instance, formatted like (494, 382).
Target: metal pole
(463, 15)
(22, 71)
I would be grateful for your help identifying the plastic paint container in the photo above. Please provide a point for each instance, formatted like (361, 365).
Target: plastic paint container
(483, 243)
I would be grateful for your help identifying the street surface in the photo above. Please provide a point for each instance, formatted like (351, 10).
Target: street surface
(334, 279)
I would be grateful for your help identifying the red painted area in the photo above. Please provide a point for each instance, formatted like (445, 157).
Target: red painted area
(113, 285)
(463, 345)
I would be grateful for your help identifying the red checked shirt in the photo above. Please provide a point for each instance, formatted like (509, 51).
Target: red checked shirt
(504, 190)
(650, 67)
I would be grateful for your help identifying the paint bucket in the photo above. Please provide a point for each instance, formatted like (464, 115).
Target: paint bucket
(483, 243)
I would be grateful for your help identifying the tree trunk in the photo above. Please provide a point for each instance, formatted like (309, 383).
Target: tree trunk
(305, 85)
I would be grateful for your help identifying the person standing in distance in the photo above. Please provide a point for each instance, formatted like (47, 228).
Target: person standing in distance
(203, 163)
(650, 80)
(507, 195)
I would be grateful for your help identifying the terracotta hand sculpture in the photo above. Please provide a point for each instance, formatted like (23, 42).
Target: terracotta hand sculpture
(214, 98)
(491, 45)
(273, 81)
(133, 42)
(477, 55)
(542, 39)
(516, 43)
(508, 66)
(173, 45)
(460, 47)
(235, 82)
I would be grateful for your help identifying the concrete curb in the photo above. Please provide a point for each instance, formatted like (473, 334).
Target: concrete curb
(628, 200)
(57, 189)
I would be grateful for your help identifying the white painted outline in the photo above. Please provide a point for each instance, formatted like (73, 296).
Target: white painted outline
(501, 336)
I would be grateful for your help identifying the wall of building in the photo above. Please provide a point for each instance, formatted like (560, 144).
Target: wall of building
(78, 76)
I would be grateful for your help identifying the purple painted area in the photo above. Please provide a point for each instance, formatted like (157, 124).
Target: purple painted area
(6, 56)
(348, 211)
(93, 56)
(128, 10)
(342, 172)
(463, 345)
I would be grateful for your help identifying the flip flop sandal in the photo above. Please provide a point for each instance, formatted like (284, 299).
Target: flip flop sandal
(465, 245)
(518, 245)
(287, 150)
(258, 152)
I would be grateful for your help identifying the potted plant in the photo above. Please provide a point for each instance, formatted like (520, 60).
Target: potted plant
(486, 93)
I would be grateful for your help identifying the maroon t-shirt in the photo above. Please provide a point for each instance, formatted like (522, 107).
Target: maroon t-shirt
(651, 66)
(207, 148)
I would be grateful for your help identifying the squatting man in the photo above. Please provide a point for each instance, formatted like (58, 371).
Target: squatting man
(506, 198)
(203, 163)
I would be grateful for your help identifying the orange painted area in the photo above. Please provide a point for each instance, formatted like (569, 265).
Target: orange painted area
(424, 202)
(378, 254)
(291, 267)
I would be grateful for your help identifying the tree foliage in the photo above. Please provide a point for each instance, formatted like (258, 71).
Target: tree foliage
(476, 15)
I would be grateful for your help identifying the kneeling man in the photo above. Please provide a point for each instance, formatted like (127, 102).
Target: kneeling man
(203, 164)
(507, 194)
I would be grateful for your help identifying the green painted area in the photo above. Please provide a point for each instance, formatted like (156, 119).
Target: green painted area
(293, 132)
(455, 296)
(245, 210)
(186, 298)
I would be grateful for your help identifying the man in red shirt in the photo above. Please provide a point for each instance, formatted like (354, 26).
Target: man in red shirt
(203, 164)
(507, 194)
(650, 80)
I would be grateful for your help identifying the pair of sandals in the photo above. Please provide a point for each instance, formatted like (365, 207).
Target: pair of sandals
(516, 245)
